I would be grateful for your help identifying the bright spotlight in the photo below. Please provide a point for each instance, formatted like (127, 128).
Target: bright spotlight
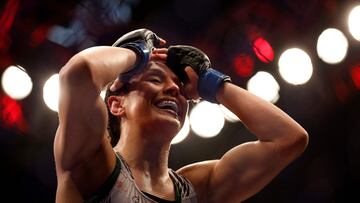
(183, 133)
(51, 92)
(295, 66)
(206, 119)
(353, 22)
(16, 82)
(332, 46)
(264, 85)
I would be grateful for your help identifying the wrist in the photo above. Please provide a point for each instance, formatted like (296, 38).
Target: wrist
(142, 57)
(209, 83)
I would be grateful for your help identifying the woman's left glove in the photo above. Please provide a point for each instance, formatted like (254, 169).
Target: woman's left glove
(209, 80)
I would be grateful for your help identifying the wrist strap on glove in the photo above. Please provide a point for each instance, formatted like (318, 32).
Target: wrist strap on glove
(142, 58)
(209, 82)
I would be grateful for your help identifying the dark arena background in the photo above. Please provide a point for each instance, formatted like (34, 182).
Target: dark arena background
(241, 38)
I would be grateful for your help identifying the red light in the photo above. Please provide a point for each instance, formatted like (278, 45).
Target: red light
(263, 50)
(244, 65)
(6, 21)
(39, 35)
(355, 76)
(11, 114)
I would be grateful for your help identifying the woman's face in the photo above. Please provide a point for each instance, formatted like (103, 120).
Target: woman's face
(156, 100)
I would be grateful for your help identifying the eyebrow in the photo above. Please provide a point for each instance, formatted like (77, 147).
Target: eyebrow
(156, 71)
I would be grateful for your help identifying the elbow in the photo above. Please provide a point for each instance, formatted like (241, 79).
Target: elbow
(300, 142)
(294, 143)
(75, 71)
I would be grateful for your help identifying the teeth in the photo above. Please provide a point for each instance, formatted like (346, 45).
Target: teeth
(169, 105)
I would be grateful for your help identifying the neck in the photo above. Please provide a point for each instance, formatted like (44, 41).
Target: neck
(144, 153)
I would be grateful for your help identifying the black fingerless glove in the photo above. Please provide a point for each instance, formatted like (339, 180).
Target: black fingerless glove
(210, 80)
(142, 42)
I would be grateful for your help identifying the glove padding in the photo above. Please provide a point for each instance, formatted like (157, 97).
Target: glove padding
(150, 38)
(210, 80)
(180, 56)
(142, 42)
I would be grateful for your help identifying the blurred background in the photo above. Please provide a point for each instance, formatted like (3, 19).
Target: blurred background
(303, 56)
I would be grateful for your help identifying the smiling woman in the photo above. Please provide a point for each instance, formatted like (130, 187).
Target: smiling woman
(150, 85)
(153, 95)
(148, 90)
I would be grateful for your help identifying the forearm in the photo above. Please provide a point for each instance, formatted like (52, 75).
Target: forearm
(82, 112)
(98, 66)
(262, 118)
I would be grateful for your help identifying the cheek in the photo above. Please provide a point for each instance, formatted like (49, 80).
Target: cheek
(139, 102)
(136, 105)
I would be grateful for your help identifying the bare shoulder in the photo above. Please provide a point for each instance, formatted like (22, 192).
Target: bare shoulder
(199, 175)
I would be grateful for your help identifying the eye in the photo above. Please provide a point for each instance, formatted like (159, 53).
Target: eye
(155, 80)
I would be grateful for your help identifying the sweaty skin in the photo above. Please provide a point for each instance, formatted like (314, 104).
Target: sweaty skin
(85, 158)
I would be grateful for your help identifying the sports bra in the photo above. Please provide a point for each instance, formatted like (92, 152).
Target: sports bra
(121, 187)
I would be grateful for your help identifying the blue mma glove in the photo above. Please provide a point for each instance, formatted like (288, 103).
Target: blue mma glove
(210, 80)
(142, 42)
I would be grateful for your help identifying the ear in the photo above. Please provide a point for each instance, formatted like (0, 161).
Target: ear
(115, 105)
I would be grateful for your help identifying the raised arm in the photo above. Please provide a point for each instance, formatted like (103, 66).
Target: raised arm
(82, 112)
(247, 168)
(250, 166)
(84, 157)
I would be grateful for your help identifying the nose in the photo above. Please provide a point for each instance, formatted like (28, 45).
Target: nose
(172, 89)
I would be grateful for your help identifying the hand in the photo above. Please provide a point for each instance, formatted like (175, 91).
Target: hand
(159, 54)
(142, 42)
(209, 80)
(181, 56)
(191, 86)
(156, 55)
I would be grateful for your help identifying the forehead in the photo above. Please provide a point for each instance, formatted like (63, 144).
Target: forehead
(160, 68)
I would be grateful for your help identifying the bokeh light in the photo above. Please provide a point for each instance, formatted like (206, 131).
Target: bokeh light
(355, 75)
(353, 22)
(332, 46)
(51, 92)
(206, 119)
(264, 85)
(16, 82)
(263, 50)
(295, 66)
(183, 133)
(244, 65)
(11, 114)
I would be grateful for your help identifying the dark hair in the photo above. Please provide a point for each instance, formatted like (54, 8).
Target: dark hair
(113, 125)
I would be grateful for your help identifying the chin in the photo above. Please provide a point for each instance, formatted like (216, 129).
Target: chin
(169, 125)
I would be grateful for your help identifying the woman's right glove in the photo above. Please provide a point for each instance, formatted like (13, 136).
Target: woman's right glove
(210, 80)
(142, 42)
